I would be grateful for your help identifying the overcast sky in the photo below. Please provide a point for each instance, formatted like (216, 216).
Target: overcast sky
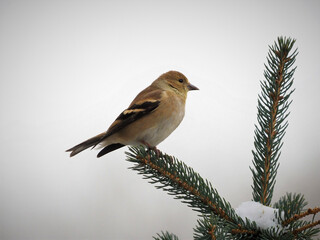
(68, 68)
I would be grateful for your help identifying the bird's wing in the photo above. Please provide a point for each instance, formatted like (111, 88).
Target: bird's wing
(145, 103)
(109, 148)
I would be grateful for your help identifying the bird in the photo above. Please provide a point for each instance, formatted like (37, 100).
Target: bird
(150, 118)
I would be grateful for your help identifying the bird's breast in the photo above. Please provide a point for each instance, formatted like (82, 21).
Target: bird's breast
(168, 117)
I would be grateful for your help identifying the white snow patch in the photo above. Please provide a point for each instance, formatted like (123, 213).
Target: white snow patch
(265, 217)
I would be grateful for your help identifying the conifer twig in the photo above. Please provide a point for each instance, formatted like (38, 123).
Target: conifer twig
(243, 231)
(165, 236)
(305, 227)
(188, 185)
(175, 179)
(272, 107)
(301, 215)
(211, 232)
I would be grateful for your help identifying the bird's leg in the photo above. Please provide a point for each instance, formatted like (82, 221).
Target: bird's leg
(154, 148)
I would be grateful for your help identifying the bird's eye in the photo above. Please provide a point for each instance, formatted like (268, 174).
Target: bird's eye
(181, 80)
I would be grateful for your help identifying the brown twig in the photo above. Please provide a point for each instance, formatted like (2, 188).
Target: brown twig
(298, 230)
(242, 231)
(301, 215)
(211, 232)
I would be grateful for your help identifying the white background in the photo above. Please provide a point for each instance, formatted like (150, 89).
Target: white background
(68, 68)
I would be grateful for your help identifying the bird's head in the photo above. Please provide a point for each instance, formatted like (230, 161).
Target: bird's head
(175, 81)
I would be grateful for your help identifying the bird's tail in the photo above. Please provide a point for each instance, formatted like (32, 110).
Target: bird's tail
(91, 142)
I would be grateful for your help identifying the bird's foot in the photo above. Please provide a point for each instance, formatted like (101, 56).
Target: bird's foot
(154, 148)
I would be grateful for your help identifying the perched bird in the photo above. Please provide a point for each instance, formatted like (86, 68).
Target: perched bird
(151, 117)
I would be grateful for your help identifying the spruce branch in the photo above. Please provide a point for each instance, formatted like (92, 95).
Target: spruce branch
(308, 226)
(181, 181)
(211, 232)
(291, 209)
(176, 178)
(166, 236)
(215, 228)
(273, 103)
(290, 205)
(296, 217)
(207, 229)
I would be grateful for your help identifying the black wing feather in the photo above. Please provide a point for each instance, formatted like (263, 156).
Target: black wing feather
(110, 148)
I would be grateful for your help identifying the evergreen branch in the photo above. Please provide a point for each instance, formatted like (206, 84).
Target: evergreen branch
(301, 215)
(206, 229)
(305, 227)
(166, 236)
(289, 205)
(180, 180)
(290, 214)
(272, 107)
(211, 232)
(215, 228)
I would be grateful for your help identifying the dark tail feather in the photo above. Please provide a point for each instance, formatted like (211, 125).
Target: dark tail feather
(91, 142)
(110, 148)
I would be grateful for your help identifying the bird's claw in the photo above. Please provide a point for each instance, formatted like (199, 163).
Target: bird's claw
(154, 148)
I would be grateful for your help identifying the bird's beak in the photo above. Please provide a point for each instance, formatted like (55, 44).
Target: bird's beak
(192, 87)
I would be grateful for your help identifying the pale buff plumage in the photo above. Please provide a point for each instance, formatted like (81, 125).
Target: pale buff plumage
(151, 117)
